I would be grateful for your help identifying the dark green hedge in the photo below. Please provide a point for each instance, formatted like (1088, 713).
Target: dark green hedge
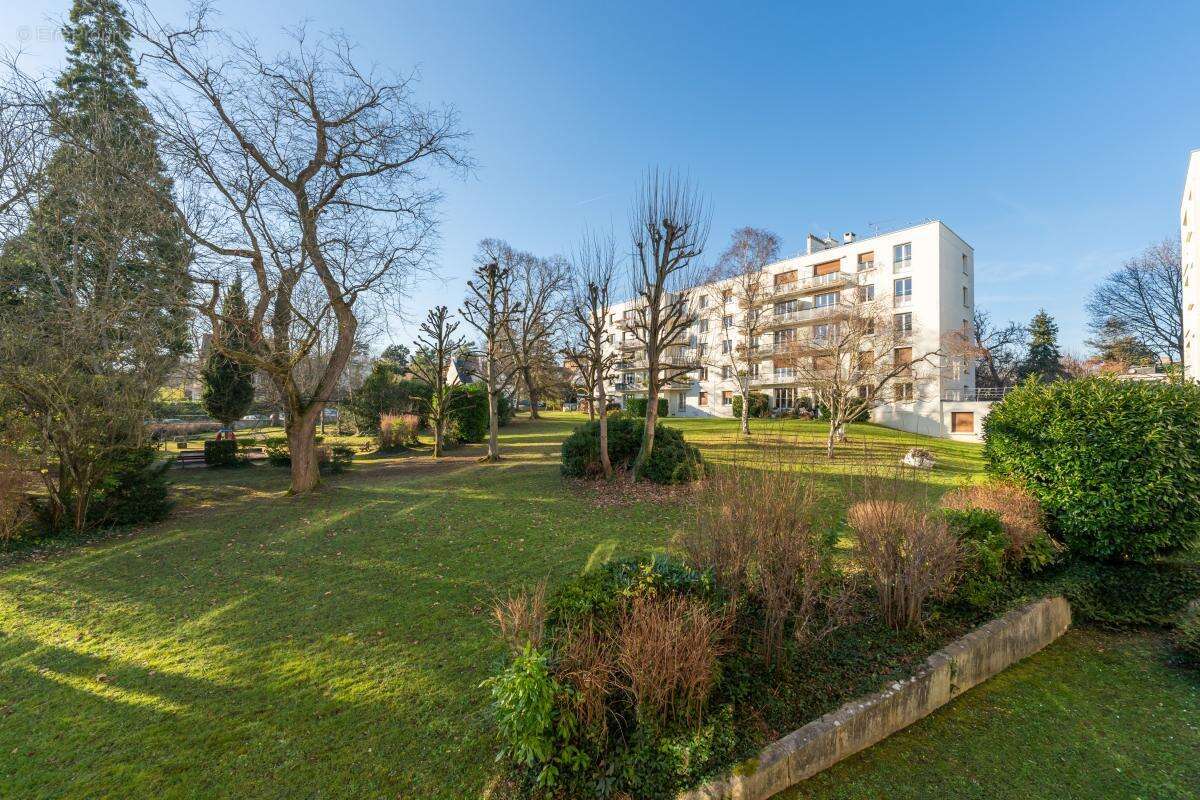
(1128, 595)
(223, 453)
(760, 405)
(1116, 464)
(673, 460)
(469, 412)
(637, 406)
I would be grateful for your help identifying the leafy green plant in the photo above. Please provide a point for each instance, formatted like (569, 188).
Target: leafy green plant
(673, 459)
(1115, 464)
(223, 453)
(636, 407)
(1128, 595)
(135, 489)
(1187, 634)
(760, 405)
(339, 457)
(983, 543)
(469, 412)
(278, 454)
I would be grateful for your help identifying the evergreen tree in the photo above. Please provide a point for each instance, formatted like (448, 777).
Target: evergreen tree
(1115, 345)
(229, 385)
(1043, 360)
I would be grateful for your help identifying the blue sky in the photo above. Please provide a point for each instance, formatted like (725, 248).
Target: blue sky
(1051, 136)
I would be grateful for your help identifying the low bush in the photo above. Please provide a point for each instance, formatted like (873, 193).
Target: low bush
(336, 458)
(1115, 464)
(15, 510)
(636, 406)
(135, 489)
(521, 619)
(983, 544)
(398, 431)
(673, 460)
(278, 454)
(1186, 637)
(505, 411)
(223, 453)
(760, 405)
(1131, 595)
(1028, 544)
(908, 555)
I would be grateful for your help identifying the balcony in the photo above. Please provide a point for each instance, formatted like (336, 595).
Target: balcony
(984, 395)
(901, 300)
(903, 265)
(808, 284)
(799, 315)
(627, 323)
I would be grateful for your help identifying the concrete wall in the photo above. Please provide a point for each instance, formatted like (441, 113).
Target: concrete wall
(861, 723)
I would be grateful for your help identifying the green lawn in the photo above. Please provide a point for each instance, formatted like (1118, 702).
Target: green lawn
(259, 645)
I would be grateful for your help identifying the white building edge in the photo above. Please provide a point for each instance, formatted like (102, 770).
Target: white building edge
(1189, 239)
(924, 272)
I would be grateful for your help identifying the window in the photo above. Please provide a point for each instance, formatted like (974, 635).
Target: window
(726, 372)
(754, 369)
(704, 373)
(903, 322)
(828, 268)
(866, 293)
(966, 304)
(870, 327)
(902, 356)
(965, 269)
(866, 360)
(703, 301)
(962, 422)
(727, 321)
(866, 261)
(725, 295)
(704, 398)
(702, 350)
(785, 278)
(784, 373)
(902, 256)
(785, 398)
(786, 306)
(785, 336)
(820, 331)
(726, 398)
(726, 347)
(904, 391)
(903, 287)
(611, 337)
(825, 299)
(704, 326)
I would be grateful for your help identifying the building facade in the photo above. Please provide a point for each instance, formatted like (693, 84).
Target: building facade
(922, 276)
(1189, 238)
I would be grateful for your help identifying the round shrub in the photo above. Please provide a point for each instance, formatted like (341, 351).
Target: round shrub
(673, 460)
(469, 412)
(1115, 464)
(760, 405)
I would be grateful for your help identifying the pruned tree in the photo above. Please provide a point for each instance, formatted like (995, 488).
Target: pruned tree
(856, 358)
(491, 310)
(308, 175)
(741, 268)
(436, 345)
(998, 350)
(594, 271)
(668, 228)
(1143, 300)
(539, 285)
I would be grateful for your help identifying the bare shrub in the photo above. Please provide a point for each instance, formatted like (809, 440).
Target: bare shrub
(1020, 513)
(908, 555)
(521, 618)
(587, 661)
(397, 431)
(667, 650)
(759, 531)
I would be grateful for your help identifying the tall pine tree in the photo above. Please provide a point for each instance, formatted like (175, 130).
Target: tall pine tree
(1043, 359)
(229, 385)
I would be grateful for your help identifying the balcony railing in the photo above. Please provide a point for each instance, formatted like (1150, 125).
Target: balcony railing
(901, 300)
(799, 315)
(983, 395)
(814, 282)
(903, 265)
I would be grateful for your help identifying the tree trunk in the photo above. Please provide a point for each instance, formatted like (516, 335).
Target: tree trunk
(746, 413)
(301, 430)
(605, 461)
(437, 438)
(829, 441)
(648, 436)
(533, 394)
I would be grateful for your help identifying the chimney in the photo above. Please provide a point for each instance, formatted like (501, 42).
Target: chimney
(848, 237)
(815, 244)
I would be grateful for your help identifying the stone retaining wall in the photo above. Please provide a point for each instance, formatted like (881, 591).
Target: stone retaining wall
(861, 723)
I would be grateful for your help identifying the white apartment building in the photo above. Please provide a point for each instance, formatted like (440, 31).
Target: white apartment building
(1189, 238)
(924, 274)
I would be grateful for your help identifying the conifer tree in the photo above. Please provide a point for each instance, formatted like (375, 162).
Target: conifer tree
(1043, 360)
(228, 384)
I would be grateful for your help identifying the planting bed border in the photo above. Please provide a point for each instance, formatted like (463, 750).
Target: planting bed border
(857, 725)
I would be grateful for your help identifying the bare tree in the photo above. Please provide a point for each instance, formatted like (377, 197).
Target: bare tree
(436, 346)
(24, 146)
(668, 228)
(538, 287)
(594, 269)
(1144, 298)
(491, 310)
(856, 358)
(307, 173)
(998, 350)
(742, 265)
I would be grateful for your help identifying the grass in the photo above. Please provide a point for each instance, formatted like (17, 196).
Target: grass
(261, 645)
